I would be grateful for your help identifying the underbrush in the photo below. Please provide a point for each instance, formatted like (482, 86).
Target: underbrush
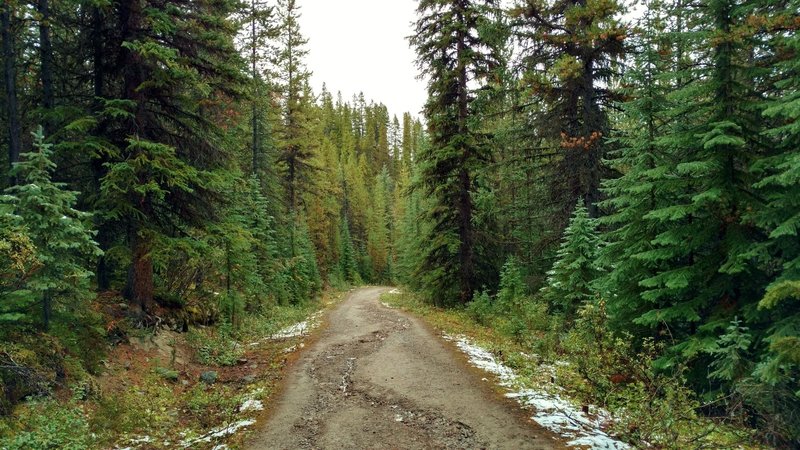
(593, 367)
(148, 396)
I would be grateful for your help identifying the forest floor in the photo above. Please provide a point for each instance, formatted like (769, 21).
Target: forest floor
(377, 377)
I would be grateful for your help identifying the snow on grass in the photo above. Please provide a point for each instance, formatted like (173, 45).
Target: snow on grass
(136, 442)
(251, 405)
(298, 329)
(551, 411)
(219, 433)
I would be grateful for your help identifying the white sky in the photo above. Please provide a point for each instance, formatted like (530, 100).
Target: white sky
(361, 46)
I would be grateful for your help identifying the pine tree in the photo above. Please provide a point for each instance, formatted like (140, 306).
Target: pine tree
(457, 52)
(378, 234)
(571, 283)
(569, 54)
(57, 231)
(642, 161)
(175, 68)
(295, 147)
(347, 259)
(778, 174)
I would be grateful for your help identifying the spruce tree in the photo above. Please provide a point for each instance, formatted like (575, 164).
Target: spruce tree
(457, 52)
(295, 146)
(63, 244)
(642, 159)
(570, 50)
(777, 396)
(571, 282)
(165, 165)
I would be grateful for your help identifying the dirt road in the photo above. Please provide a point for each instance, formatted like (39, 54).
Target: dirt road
(378, 379)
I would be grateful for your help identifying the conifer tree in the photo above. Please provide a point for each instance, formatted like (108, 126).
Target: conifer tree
(63, 245)
(174, 67)
(569, 52)
(641, 159)
(778, 184)
(571, 283)
(347, 255)
(457, 53)
(378, 245)
(295, 147)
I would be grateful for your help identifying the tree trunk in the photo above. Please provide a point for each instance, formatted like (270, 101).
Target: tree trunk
(134, 75)
(98, 161)
(254, 57)
(47, 308)
(141, 277)
(465, 231)
(46, 54)
(10, 78)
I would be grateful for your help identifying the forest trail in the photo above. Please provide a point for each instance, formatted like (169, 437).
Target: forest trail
(377, 378)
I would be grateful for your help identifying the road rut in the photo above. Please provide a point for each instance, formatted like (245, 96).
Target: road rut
(377, 378)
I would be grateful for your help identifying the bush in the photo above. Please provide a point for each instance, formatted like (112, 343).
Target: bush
(481, 309)
(29, 366)
(218, 347)
(49, 425)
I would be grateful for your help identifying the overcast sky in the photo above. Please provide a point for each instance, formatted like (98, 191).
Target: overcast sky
(361, 45)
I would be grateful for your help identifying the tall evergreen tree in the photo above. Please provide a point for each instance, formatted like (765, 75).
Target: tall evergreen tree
(176, 67)
(295, 148)
(641, 160)
(569, 50)
(457, 52)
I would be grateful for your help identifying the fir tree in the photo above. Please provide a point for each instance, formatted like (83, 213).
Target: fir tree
(166, 169)
(571, 283)
(57, 230)
(570, 49)
(456, 51)
(642, 160)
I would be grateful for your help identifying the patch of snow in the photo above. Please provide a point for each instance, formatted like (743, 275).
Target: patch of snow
(219, 432)
(551, 411)
(394, 291)
(135, 442)
(298, 329)
(251, 405)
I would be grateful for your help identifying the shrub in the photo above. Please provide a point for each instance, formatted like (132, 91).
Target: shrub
(49, 425)
(218, 347)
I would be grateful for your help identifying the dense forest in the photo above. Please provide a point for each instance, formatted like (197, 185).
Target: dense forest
(587, 176)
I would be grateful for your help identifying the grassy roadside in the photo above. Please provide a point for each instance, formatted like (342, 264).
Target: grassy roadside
(168, 390)
(651, 410)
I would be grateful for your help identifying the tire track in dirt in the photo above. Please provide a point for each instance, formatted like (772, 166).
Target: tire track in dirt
(378, 379)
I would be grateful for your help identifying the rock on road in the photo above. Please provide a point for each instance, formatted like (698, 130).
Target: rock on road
(377, 378)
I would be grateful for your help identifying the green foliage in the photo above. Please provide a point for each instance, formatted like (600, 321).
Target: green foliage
(571, 282)
(30, 365)
(453, 47)
(347, 259)
(57, 232)
(167, 374)
(731, 360)
(481, 308)
(50, 425)
(216, 347)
